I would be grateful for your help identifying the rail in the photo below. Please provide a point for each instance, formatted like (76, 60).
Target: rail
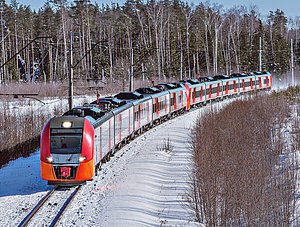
(28, 218)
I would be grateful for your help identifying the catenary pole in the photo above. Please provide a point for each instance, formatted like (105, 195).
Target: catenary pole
(131, 68)
(260, 54)
(292, 63)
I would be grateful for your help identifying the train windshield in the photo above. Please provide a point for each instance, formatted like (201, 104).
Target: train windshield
(65, 144)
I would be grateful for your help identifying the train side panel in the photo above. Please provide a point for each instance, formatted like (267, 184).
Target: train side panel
(161, 105)
(124, 123)
(197, 94)
(246, 84)
(213, 90)
(230, 87)
(104, 139)
(142, 113)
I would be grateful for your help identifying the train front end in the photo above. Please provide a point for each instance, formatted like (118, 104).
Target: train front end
(67, 151)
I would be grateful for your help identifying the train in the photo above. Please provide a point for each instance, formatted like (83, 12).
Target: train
(73, 146)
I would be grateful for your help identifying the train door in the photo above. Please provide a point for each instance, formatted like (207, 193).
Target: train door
(100, 143)
(194, 95)
(234, 86)
(260, 83)
(226, 87)
(97, 146)
(267, 81)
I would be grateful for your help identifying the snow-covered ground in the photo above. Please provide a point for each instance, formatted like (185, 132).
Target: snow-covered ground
(142, 185)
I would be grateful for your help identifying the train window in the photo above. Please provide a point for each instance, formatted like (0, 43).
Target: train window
(215, 90)
(65, 144)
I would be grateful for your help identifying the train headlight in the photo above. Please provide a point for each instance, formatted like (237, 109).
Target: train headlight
(49, 159)
(67, 124)
(81, 159)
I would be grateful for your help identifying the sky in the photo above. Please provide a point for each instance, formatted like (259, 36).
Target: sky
(291, 8)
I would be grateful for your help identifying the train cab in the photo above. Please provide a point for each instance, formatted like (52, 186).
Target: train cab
(67, 151)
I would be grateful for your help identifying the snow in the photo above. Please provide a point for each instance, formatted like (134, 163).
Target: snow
(148, 184)
(142, 185)
(21, 187)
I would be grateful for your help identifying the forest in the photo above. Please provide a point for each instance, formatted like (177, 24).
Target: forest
(163, 39)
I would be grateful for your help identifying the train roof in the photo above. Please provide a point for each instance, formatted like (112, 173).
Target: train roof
(261, 73)
(221, 77)
(178, 84)
(205, 79)
(166, 86)
(110, 100)
(133, 97)
(87, 110)
(147, 90)
(129, 95)
(238, 75)
(122, 108)
(191, 81)
(96, 109)
(160, 94)
(101, 120)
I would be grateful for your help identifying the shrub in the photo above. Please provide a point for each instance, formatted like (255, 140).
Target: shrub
(243, 172)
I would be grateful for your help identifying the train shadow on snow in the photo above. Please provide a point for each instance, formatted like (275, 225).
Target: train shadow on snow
(22, 177)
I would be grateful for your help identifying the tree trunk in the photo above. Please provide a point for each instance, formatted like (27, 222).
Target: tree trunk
(65, 64)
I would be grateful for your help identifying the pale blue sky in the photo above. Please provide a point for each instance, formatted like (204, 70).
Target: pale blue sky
(290, 7)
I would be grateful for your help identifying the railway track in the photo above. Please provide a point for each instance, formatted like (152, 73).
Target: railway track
(57, 213)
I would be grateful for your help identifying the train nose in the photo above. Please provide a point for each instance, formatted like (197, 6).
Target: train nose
(66, 158)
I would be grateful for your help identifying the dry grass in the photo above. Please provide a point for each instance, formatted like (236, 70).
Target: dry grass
(19, 132)
(167, 146)
(244, 174)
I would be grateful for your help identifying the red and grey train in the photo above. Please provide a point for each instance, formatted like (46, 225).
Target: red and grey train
(75, 144)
